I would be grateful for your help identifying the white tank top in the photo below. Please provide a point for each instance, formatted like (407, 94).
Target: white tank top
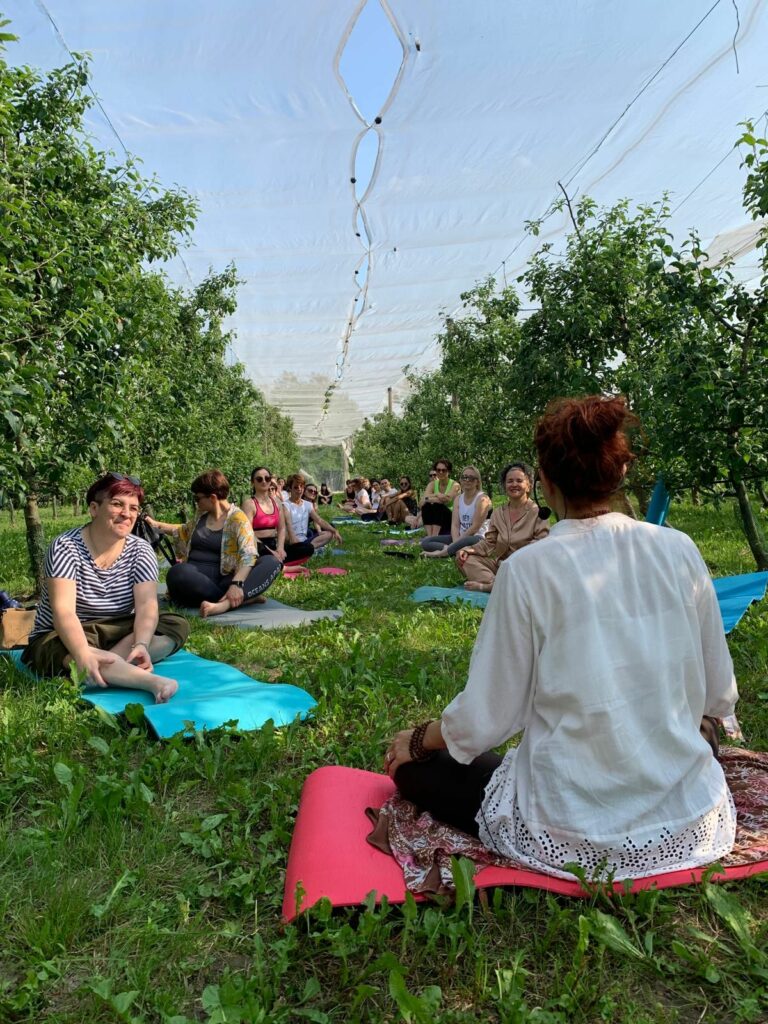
(299, 517)
(467, 512)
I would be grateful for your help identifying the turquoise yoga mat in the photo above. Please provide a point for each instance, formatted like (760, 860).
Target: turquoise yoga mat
(477, 598)
(210, 693)
(734, 595)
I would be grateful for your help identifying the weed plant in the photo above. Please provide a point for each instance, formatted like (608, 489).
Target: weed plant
(142, 881)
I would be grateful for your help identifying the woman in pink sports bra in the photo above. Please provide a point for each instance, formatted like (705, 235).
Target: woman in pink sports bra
(269, 521)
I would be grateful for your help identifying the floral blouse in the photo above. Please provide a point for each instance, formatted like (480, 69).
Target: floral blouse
(238, 546)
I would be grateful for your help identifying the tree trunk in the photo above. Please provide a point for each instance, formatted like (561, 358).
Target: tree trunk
(35, 540)
(695, 496)
(761, 491)
(55, 507)
(643, 495)
(12, 512)
(754, 534)
(76, 505)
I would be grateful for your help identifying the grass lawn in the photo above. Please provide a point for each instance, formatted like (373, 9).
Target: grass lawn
(142, 881)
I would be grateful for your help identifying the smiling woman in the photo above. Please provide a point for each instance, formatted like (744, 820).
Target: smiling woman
(98, 606)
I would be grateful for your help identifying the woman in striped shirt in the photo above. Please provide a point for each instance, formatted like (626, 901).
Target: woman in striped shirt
(98, 606)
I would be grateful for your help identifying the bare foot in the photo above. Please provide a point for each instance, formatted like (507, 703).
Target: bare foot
(213, 608)
(434, 554)
(163, 689)
(484, 588)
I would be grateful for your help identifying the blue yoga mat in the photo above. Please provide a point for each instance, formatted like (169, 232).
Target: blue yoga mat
(210, 693)
(736, 593)
(477, 598)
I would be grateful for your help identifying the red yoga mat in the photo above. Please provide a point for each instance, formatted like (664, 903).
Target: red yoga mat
(329, 855)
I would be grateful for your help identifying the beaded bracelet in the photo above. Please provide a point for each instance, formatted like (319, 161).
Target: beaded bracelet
(416, 748)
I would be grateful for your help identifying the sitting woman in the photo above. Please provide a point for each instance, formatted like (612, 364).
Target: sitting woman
(221, 569)
(325, 497)
(606, 647)
(350, 491)
(98, 605)
(511, 527)
(301, 513)
(400, 504)
(269, 521)
(470, 519)
(437, 502)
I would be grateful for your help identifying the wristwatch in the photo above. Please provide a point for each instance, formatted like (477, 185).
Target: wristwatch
(237, 583)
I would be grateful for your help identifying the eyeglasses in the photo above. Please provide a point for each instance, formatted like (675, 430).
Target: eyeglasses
(466, 476)
(442, 469)
(199, 497)
(262, 479)
(433, 472)
(121, 476)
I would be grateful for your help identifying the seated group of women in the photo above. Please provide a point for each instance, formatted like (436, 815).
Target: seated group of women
(604, 646)
(98, 606)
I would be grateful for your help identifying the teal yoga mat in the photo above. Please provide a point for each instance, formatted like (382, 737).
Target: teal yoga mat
(210, 693)
(477, 598)
(736, 593)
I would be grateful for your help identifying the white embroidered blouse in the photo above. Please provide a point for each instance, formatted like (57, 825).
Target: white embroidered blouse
(605, 644)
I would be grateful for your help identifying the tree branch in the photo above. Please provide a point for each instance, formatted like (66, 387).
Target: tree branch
(570, 210)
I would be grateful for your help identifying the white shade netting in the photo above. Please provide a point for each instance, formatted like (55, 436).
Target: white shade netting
(493, 105)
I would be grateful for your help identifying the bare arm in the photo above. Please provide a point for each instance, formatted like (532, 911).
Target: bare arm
(321, 524)
(62, 594)
(450, 495)
(481, 514)
(172, 529)
(455, 527)
(286, 518)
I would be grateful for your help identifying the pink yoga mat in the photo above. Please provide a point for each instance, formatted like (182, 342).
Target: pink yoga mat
(330, 857)
(295, 571)
(331, 570)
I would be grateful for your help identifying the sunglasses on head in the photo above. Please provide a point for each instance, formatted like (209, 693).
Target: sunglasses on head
(122, 476)
(262, 479)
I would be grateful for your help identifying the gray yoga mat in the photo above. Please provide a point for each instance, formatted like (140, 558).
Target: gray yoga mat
(272, 615)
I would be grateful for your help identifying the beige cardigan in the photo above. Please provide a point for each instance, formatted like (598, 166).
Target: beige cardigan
(504, 538)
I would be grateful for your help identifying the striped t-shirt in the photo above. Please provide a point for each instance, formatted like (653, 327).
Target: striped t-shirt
(99, 593)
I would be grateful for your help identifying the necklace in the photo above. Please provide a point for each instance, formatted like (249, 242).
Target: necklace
(592, 515)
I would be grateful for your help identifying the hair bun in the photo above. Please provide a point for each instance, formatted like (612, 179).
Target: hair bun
(582, 445)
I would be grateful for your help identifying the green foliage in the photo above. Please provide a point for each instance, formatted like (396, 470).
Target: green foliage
(621, 308)
(104, 365)
(75, 230)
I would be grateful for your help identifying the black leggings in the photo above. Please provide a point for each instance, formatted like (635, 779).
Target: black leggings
(293, 552)
(188, 586)
(435, 514)
(451, 792)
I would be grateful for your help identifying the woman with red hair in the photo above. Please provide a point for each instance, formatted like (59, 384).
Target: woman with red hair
(98, 606)
(605, 646)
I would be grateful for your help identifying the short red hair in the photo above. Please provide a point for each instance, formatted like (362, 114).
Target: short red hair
(107, 487)
(582, 446)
